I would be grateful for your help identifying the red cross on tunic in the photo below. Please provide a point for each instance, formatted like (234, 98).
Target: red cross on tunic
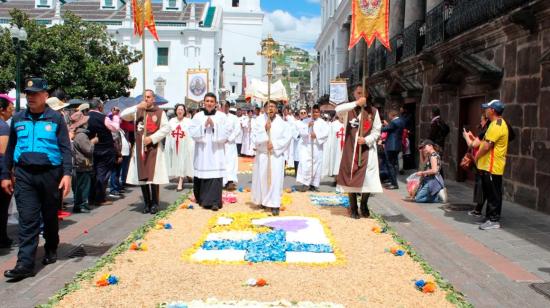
(340, 135)
(178, 133)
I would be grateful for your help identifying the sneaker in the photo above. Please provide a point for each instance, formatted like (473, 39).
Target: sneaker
(442, 194)
(489, 225)
(474, 213)
(114, 195)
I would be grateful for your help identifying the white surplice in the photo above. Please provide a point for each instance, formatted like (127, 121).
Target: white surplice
(336, 156)
(289, 152)
(209, 157)
(247, 145)
(326, 165)
(308, 175)
(239, 139)
(231, 155)
(180, 148)
(161, 171)
(262, 193)
(371, 184)
(296, 140)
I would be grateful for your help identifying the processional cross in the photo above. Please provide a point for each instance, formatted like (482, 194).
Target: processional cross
(244, 64)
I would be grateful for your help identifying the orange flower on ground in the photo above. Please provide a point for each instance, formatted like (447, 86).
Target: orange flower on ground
(429, 287)
(261, 282)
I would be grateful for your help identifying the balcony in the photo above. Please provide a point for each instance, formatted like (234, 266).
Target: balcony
(394, 56)
(436, 20)
(472, 13)
(413, 39)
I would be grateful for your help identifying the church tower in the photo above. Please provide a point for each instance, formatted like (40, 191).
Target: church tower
(241, 30)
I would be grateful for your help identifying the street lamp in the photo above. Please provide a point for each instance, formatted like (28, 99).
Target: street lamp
(19, 36)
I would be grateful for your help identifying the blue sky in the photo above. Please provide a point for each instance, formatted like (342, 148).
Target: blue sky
(295, 22)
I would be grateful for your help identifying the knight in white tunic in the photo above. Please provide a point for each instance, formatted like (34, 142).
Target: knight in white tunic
(246, 124)
(180, 147)
(358, 172)
(209, 131)
(313, 136)
(231, 156)
(148, 164)
(272, 138)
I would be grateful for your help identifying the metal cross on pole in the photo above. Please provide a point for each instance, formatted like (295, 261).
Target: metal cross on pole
(269, 51)
(244, 64)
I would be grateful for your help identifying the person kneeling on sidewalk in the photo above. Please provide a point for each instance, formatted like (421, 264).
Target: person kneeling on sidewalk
(432, 187)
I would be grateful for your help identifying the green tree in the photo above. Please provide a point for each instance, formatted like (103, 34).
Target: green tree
(80, 57)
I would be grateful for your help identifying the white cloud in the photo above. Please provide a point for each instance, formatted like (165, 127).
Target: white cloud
(314, 1)
(297, 31)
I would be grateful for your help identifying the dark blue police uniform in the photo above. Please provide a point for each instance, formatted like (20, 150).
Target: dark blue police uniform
(38, 155)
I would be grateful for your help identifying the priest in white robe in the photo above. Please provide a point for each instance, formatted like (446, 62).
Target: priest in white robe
(302, 116)
(230, 179)
(180, 147)
(148, 163)
(246, 125)
(289, 119)
(272, 138)
(362, 130)
(209, 130)
(239, 139)
(313, 137)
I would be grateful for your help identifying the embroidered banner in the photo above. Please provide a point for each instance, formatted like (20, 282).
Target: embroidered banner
(370, 20)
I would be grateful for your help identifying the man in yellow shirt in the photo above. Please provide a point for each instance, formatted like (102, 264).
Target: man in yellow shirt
(491, 160)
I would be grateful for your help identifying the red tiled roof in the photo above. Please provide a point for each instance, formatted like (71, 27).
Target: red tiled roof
(90, 10)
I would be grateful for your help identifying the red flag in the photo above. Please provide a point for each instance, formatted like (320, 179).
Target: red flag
(143, 18)
(370, 20)
(137, 11)
(149, 21)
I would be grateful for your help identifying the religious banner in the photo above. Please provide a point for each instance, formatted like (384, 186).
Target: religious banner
(370, 20)
(338, 91)
(197, 84)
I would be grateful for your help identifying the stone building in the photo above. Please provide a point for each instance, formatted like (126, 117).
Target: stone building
(457, 54)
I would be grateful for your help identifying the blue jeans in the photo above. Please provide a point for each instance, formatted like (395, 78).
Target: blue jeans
(114, 183)
(423, 195)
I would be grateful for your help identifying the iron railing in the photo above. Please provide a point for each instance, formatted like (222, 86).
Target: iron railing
(436, 20)
(394, 55)
(413, 39)
(471, 13)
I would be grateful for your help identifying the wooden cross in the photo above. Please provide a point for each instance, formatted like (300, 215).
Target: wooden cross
(244, 64)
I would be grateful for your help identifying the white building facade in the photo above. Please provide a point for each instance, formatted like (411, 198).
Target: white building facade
(190, 37)
(333, 42)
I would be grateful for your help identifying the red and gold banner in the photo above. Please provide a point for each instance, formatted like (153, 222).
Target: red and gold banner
(143, 18)
(370, 20)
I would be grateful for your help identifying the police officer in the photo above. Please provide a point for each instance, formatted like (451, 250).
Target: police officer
(38, 169)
